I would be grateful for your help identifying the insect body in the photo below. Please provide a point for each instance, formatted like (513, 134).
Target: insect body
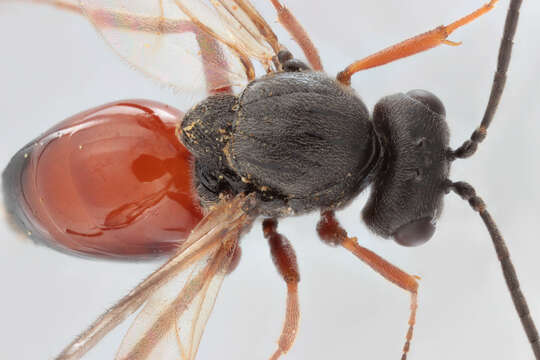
(89, 191)
(314, 134)
(321, 150)
(397, 142)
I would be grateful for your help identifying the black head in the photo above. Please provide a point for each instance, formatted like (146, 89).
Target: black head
(407, 192)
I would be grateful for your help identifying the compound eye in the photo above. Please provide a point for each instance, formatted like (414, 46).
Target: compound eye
(414, 233)
(428, 99)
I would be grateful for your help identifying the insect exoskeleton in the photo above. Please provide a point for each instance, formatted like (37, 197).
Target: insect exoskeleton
(309, 143)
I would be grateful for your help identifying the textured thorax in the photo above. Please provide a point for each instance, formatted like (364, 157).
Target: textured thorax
(299, 139)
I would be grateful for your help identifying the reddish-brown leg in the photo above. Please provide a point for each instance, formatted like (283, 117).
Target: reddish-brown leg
(285, 260)
(331, 232)
(291, 24)
(412, 46)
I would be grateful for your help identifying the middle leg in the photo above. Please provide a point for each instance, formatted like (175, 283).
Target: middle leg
(285, 260)
(331, 232)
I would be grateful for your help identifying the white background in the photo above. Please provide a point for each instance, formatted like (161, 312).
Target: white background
(54, 65)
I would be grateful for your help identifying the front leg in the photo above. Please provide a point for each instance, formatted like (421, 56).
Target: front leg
(331, 232)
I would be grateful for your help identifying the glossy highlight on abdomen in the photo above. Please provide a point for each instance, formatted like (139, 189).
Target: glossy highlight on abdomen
(113, 181)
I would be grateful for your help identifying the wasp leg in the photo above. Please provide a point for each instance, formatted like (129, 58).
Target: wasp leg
(412, 46)
(285, 260)
(331, 232)
(291, 24)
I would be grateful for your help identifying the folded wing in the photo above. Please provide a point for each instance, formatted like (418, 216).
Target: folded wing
(186, 43)
(180, 295)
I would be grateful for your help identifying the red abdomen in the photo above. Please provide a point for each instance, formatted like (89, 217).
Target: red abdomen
(113, 181)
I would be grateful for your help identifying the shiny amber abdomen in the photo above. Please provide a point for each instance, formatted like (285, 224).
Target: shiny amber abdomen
(113, 181)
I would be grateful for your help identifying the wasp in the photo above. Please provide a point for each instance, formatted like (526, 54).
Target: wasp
(227, 135)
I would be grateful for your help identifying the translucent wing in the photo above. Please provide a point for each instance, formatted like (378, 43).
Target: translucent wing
(234, 22)
(186, 43)
(179, 296)
(171, 323)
